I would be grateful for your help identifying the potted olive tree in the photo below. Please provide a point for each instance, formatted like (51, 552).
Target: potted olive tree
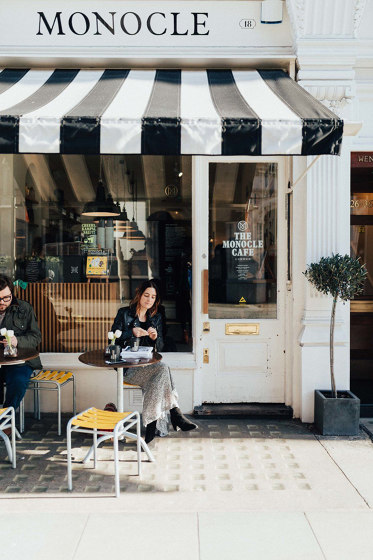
(342, 277)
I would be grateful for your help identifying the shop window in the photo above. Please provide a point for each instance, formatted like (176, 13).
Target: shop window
(361, 347)
(78, 269)
(242, 240)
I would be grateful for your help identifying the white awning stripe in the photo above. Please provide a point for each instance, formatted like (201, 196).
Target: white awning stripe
(281, 127)
(200, 122)
(121, 122)
(29, 84)
(39, 131)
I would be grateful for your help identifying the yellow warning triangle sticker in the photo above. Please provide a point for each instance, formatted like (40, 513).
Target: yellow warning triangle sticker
(242, 300)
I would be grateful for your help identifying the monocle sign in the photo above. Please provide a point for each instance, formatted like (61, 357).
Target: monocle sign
(93, 23)
(128, 23)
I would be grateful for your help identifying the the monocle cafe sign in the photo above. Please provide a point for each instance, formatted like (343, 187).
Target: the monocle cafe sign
(244, 253)
(92, 23)
(242, 245)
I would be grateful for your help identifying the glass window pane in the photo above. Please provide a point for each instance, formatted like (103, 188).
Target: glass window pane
(242, 240)
(362, 236)
(80, 267)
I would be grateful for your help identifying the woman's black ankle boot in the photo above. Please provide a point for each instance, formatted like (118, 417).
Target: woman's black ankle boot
(150, 431)
(178, 420)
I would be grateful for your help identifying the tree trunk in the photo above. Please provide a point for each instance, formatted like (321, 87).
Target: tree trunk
(332, 325)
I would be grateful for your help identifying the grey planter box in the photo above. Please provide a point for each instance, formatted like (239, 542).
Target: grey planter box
(337, 417)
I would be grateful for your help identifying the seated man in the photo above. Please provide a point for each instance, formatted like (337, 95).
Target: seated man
(18, 316)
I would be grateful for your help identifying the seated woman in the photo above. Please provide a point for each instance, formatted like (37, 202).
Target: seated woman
(143, 320)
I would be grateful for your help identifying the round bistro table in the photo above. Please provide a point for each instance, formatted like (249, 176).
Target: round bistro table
(23, 354)
(96, 358)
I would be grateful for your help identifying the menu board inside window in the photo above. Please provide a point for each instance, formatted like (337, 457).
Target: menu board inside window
(242, 240)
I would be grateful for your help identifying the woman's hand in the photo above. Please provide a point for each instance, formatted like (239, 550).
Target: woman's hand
(152, 333)
(137, 331)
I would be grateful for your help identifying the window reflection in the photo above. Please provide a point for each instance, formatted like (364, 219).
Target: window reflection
(80, 268)
(242, 240)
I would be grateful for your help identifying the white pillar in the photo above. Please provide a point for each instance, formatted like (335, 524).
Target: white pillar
(327, 232)
(325, 40)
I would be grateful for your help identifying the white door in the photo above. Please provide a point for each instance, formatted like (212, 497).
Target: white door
(241, 230)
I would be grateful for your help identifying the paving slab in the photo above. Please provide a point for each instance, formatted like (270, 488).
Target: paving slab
(35, 537)
(148, 535)
(343, 535)
(354, 458)
(259, 535)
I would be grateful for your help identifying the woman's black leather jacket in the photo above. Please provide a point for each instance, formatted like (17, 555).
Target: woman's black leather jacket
(127, 319)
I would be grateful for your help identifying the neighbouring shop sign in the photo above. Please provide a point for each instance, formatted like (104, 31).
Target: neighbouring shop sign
(362, 159)
(89, 23)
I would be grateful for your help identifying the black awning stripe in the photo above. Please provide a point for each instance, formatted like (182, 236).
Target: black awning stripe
(322, 129)
(241, 130)
(55, 84)
(9, 77)
(80, 128)
(161, 131)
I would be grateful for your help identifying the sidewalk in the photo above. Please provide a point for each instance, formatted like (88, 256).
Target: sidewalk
(232, 489)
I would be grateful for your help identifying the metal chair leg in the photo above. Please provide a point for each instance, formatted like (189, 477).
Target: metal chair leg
(74, 396)
(22, 416)
(116, 465)
(59, 408)
(38, 407)
(94, 449)
(35, 404)
(138, 443)
(13, 424)
(69, 466)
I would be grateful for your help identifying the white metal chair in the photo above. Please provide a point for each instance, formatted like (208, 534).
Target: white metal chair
(21, 411)
(7, 420)
(104, 424)
(48, 380)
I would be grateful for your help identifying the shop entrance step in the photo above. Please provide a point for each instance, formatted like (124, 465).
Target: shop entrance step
(271, 411)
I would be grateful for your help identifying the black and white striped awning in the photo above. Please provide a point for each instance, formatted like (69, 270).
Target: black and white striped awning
(212, 112)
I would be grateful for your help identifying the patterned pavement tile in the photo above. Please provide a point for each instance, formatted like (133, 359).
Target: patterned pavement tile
(222, 456)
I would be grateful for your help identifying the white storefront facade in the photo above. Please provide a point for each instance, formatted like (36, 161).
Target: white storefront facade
(266, 343)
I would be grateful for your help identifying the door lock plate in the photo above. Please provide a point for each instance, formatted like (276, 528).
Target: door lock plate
(205, 355)
(206, 326)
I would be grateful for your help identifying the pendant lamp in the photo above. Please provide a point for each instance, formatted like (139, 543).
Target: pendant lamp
(134, 234)
(101, 207)
(122, 222)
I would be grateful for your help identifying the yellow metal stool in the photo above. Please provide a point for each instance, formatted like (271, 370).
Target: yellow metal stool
(104, 424)
(7, 420)
(48, 380)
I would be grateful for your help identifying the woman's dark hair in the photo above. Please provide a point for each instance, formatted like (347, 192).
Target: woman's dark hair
(5, 282)
(135, 303)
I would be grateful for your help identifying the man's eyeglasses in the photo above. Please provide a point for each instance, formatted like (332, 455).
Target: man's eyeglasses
(5, 299)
